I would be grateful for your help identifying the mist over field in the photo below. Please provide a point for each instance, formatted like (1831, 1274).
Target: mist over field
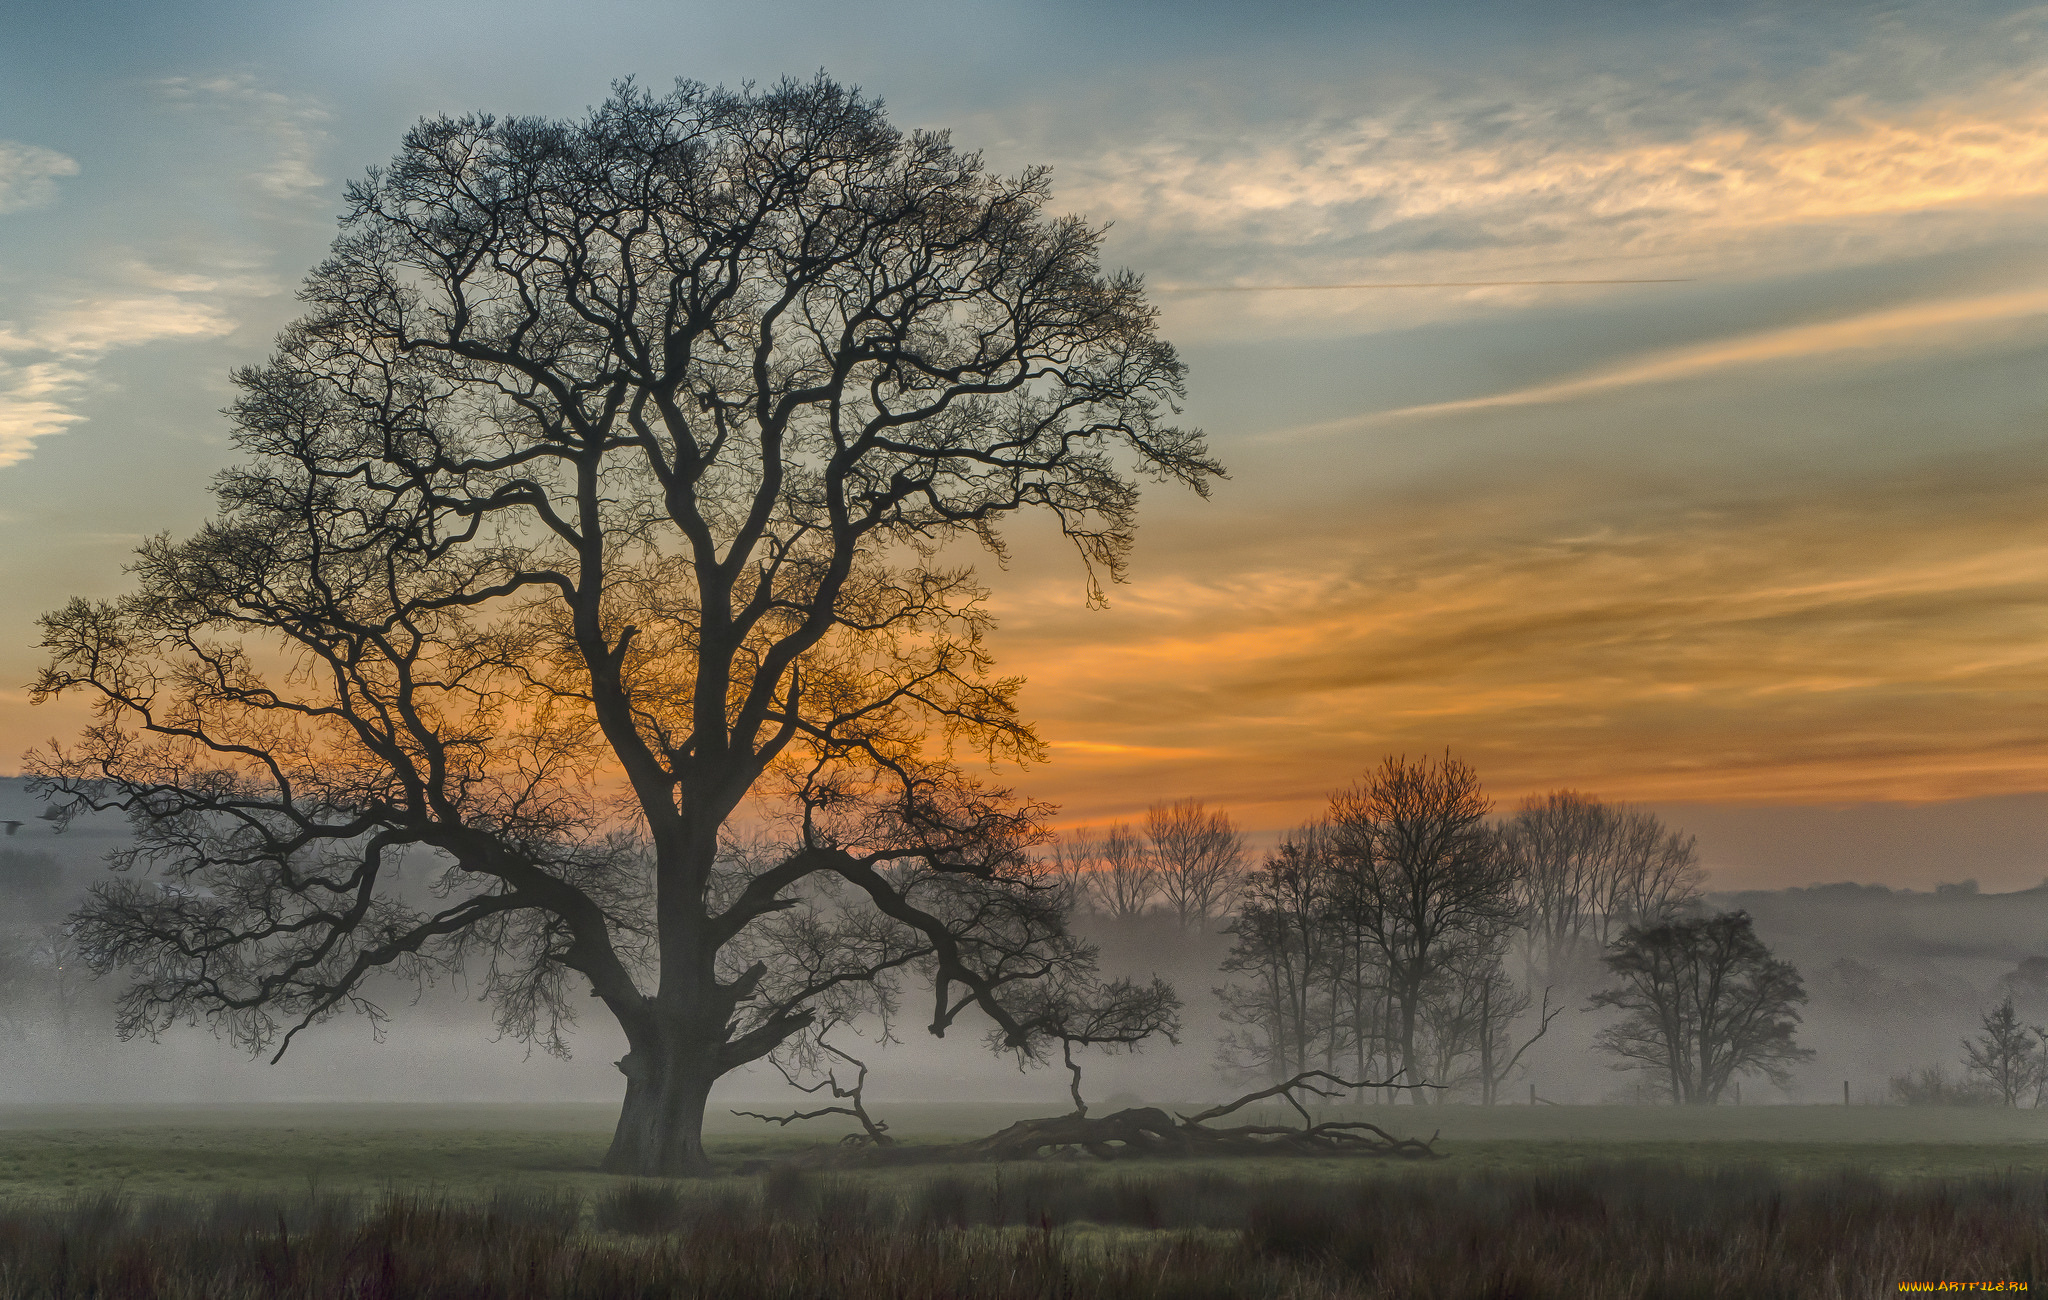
(1896, 978)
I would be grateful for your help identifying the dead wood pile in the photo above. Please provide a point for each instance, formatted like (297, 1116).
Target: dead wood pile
(1148, 1131)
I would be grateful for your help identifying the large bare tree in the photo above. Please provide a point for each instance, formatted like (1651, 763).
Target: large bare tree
(598, 506)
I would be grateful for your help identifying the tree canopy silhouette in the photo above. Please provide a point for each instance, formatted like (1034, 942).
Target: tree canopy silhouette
(591, 547)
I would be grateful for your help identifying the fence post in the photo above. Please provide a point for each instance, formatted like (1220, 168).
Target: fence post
(1845, 1092)
(1532, 1094)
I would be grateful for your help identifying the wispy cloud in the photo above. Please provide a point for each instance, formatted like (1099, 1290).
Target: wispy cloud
(52, 353)
(31, 405)
(293, 126)
(1919, 326)
(86, 329)
(46, 363)
(1386, 176)
(1592, 175)
(1875, 637)
(28, 174)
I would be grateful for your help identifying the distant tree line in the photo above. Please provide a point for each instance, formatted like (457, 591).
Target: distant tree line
(1185, 859)
(1407, 935)
(43, 980)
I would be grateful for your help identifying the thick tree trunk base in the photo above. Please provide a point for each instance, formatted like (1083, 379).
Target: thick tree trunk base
(661, 1125)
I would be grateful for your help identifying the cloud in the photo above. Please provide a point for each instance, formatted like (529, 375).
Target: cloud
(47, 362)
(28, 175)
(1917, 326)
(292, 125)
(31, 405)
(1593, 174)
(51, 351)
(49, 358)
(1379, 181)
(1872, 637)
(94, 326)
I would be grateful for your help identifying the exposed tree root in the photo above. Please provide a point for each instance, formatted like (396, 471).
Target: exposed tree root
(1149, 1132)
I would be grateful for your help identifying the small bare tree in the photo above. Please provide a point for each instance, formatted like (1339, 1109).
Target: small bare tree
(53, 952)
(1071, 868)
(811, 1054)
(1704, 1000)
(1125, 880)
(1197, 853)
(2003, 1055)
(1498, 1005)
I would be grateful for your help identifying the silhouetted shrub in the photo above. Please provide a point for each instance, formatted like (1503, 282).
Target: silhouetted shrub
(787, 1192)
(846, 1205)
(1932, 1086)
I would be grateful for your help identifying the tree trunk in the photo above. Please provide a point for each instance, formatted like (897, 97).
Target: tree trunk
(1409, 998)
(1391, 1095)
(661, 1125)
(1488, 1085)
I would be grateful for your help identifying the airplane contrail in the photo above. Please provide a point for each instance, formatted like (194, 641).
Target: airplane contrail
(1399, 284)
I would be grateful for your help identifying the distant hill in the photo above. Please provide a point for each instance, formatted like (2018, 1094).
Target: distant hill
(1952, 927)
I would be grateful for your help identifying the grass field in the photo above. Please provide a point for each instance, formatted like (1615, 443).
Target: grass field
(466, 1151)
(1622, 1231)
(455, 1201)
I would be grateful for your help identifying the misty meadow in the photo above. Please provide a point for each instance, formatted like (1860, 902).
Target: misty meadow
(1323, 654)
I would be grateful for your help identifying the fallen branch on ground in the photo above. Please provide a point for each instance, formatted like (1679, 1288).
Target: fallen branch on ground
(1144, 1131)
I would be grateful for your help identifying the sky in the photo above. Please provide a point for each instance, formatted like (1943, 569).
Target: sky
(1755, 538)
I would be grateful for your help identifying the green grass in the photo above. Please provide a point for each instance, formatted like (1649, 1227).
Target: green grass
(474, 1151)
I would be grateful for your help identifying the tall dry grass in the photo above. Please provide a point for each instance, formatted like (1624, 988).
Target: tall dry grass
(1603, 1231)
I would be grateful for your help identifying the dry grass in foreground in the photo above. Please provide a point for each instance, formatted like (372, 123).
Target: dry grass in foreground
(1606, 1231)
